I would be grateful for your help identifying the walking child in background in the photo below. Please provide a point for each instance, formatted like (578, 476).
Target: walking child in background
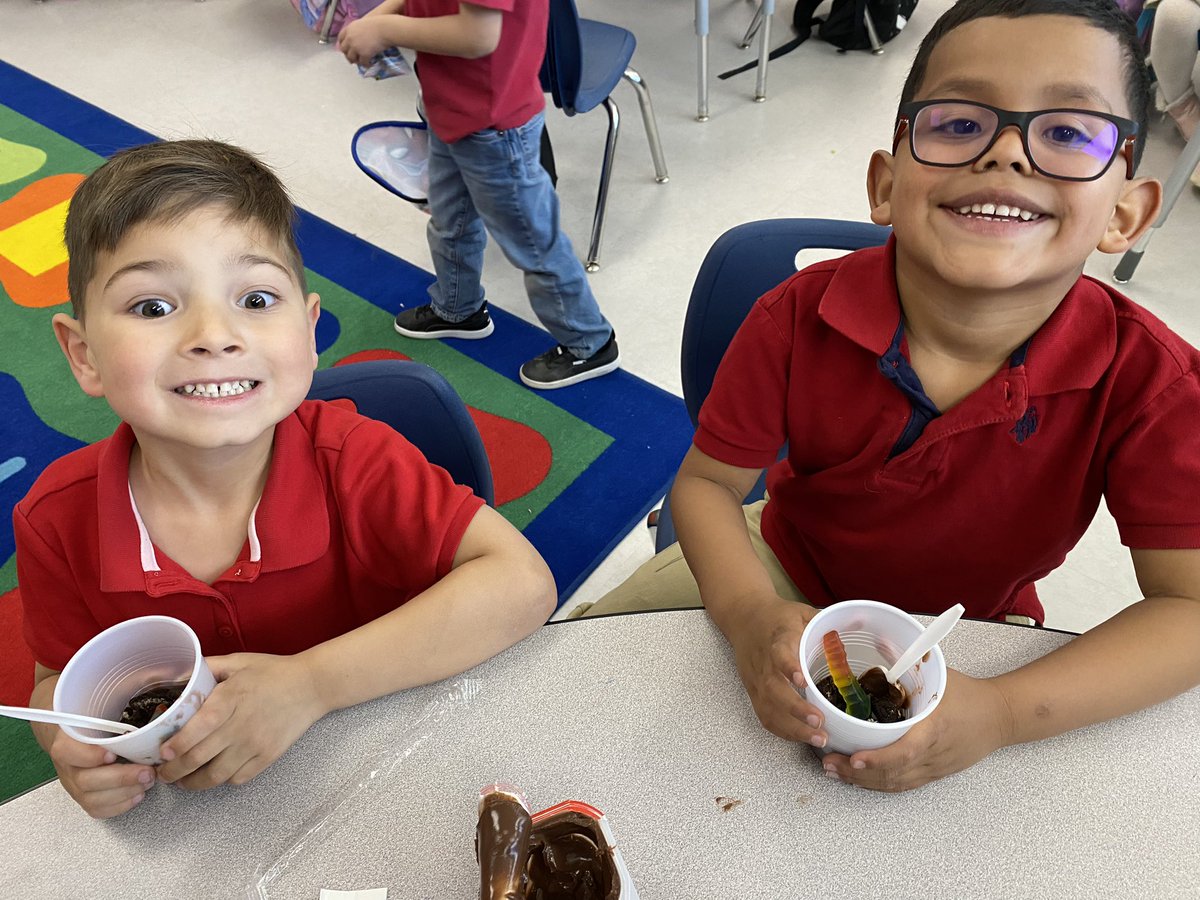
(956, 403)
(302, 542)
(478, 65)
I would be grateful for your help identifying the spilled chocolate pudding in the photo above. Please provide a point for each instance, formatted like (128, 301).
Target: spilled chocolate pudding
(889, 702)
(151, 703)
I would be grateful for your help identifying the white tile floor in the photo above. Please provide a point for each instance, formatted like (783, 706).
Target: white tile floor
(247, 71)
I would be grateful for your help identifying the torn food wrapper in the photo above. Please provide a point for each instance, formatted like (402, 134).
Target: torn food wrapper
(567, 852)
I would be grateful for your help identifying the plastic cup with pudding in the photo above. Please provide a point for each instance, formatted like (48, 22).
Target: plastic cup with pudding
(874, 634)
(124, 661)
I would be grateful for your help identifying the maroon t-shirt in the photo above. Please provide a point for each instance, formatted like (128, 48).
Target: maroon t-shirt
(989, 496)
(500, 90)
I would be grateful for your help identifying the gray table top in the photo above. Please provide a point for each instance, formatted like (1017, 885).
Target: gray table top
(644, 717)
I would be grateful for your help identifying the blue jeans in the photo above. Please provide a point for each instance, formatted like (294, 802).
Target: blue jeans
(495, 179)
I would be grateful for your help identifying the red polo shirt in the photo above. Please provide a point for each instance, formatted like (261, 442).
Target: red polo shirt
(500, 90)
(352, 523)
(989, 496)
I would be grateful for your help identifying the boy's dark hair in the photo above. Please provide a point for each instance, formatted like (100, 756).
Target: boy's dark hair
(1102, 14)
(162, 182)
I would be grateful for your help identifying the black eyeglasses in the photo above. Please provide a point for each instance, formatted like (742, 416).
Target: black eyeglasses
(1070, 144)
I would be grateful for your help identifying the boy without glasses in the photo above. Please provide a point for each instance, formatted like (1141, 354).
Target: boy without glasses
(956, 403)
(319, 540)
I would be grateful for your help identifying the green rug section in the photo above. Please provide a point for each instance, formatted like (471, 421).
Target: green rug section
(26, 765)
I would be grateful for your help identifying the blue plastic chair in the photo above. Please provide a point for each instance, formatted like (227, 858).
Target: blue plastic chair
(421, 405)
(742, 265)
(585, 61)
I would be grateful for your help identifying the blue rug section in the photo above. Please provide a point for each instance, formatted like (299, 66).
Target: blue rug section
(650, 427)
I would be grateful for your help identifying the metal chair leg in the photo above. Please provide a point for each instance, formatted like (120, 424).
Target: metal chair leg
(1175, 183)
(764, 51)
(748, 37)
(647, 107)
(872, 34)
(327, 22)
(610, 152)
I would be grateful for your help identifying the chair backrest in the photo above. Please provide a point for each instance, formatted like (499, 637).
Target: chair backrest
(562, 66)
(421, 405)
(742, 265)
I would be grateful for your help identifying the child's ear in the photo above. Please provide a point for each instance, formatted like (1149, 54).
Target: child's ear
(313, 309)
(880, 175)
(1136, 210)
(73, 341)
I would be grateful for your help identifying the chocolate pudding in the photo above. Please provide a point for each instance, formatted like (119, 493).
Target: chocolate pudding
(889, 702)
(151, 703)
(502, 846)
(569, 859)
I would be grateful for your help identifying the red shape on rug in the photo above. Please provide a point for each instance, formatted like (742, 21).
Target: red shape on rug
(520, 456)
(16, 660)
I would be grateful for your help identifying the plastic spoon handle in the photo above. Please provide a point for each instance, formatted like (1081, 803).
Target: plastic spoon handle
(62, 718)
(926, 641)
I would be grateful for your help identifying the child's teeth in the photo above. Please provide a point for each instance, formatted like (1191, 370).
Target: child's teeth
(999, 210)
(1026, 215)
(212, 389)
(988, 209)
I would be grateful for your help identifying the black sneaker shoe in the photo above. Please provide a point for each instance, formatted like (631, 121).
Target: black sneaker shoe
(559, 367)
(423, 322)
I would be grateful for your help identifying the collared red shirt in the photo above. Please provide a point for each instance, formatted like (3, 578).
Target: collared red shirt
(352, 523)
(986, 497)
(501, 90)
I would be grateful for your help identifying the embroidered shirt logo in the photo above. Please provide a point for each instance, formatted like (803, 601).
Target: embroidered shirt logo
(1026, 425)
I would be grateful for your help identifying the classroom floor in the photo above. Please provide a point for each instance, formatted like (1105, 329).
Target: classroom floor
(247, 71)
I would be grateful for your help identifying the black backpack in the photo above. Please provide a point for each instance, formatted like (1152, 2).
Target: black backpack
(845, 26)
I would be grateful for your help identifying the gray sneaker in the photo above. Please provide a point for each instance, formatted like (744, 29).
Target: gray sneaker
(559, 367)
(422, 322)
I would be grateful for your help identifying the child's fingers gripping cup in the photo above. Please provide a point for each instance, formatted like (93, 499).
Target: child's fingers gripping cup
(148, 672)
(874, 635)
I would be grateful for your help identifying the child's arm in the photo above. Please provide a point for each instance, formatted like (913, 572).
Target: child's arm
(1145, 654)
(90, 774)
(498, 591)
(471, 33)
(763, 628)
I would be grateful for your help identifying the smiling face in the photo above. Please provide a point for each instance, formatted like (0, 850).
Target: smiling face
(196, 332)
(998, 225)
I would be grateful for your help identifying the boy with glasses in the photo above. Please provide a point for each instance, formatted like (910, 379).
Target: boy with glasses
(956, 403)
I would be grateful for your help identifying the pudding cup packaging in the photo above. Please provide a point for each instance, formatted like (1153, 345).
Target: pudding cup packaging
(573, 808)
(122, 662)
(875, 634)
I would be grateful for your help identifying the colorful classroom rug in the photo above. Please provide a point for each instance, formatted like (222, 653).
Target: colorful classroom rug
(574, 469)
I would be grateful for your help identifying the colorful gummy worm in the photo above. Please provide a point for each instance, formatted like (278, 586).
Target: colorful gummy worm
(858, 704)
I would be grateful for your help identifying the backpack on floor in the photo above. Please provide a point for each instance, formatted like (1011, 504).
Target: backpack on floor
(844, 27)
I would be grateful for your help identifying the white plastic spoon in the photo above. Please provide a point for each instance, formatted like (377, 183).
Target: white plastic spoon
(62, 718)
(926, 641)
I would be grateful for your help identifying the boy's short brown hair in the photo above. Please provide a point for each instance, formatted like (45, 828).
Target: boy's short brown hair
(162, 182)
(1102, 14)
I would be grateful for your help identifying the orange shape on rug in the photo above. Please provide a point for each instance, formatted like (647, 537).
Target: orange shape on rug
(33, 259)
(520, 456)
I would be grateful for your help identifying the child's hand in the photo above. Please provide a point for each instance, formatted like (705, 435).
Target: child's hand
(95, 780)
(258, 709)
(968, 724)
(362, 40)
(767, 650)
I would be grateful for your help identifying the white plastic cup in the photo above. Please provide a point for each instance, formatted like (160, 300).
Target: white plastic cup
(121, 662)
(875, 634)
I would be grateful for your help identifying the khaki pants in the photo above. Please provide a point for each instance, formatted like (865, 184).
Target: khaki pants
(666, 582)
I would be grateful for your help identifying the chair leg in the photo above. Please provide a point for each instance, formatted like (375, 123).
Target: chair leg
(753, 29)
(610, 152)
(327, 24)
(767, 7)
(1174, 186)
(647, 107)
(872, 34)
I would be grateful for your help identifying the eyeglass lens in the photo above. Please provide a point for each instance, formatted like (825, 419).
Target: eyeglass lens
(1067, 144)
